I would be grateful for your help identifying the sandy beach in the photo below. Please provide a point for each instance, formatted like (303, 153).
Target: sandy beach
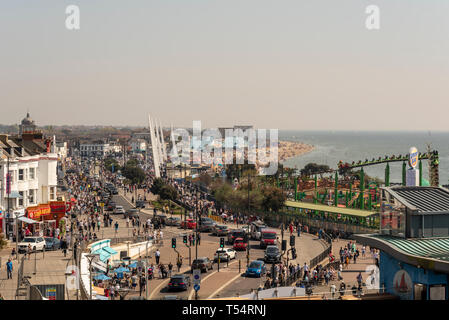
(289, 149)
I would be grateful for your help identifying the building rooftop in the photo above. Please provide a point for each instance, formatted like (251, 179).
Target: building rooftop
(430, 253)
(424, 199)
(330, 209)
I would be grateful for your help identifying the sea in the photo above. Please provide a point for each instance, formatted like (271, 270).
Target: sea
(348, 146)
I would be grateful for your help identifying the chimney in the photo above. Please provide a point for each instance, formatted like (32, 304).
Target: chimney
(4, 138)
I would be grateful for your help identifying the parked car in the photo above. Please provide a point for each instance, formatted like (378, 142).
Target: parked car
(140, 204)
(173, 221)
(207, 226)
(111, 206)
(220, 230)
(256, 268)
(189, 224)
(272, 254)
(37, 243)
(237, 233)
(179, 282)
(202, 263)
(225, 254)
(268, 237)
(119, 210)
(52, 243)
(131, 213)
(239, 244)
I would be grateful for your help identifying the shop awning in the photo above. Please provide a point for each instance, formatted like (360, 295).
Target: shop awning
(105, 253)
(27, 220)
(14, 194)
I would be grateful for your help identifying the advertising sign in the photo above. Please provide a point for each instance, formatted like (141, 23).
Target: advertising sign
(50, 293)
(57, 207)
(8, 183)
(36, 212)
(413, 157)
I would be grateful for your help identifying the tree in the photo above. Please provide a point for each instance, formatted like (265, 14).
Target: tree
(132, 163)
(157, 185)
(135, 174)
(313, 168)
(168, 192)
(205, 179)
(273, 198)
(109, 162)
(3, 242)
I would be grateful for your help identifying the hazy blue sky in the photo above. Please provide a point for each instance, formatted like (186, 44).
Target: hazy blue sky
(286, 64)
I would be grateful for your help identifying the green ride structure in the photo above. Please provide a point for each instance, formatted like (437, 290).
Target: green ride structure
(348, 205)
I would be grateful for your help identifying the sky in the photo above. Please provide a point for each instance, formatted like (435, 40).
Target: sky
(281, 64)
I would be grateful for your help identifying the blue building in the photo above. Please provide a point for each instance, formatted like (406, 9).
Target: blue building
(414, 242)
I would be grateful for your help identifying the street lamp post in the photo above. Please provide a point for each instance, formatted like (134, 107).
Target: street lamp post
(196, 237)
(91, 258)
(247, 247)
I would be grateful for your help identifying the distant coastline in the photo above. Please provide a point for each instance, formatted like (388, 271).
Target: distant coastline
(290, 149)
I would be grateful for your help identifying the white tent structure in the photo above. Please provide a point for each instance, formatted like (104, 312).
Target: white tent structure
(154, 146)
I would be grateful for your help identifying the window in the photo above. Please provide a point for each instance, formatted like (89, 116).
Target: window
(32, 196)
(21, 199)
(21, 174)
(32, 173)
(52, 193)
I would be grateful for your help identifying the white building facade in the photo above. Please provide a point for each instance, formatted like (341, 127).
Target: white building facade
(92, 150)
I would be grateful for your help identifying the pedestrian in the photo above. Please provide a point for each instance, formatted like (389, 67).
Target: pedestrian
(198, 238)
(116, 227)
(170, 268)
(157, 255)
(64, 247)
(9, 268)
(29, 251)
(359, 279)
(179, 263)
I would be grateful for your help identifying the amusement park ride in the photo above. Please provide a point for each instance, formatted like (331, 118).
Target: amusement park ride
(356, 193)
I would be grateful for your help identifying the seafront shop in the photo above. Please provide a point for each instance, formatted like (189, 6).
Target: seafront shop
(414, 242)
(43, 219)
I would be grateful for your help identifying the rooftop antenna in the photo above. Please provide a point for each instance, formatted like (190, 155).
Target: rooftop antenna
(429, 150)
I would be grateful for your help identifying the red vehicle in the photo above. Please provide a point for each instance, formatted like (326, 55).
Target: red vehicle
(189, 224)
(239, 244)
(268, 237)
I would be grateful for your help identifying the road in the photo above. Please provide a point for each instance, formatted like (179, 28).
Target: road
(227, 282)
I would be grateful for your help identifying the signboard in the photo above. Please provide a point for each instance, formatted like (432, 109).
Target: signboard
(413, 157)
(36, 212)
(402, 285)
(58, 207)
(196, 287)
(8, 183)
(50, 293)
(196, 276)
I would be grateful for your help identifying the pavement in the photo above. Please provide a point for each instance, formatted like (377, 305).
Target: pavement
(227, 282)
(350, 273)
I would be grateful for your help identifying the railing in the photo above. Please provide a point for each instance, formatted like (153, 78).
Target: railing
(20, 279)
(132, 239)
(323, 255)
